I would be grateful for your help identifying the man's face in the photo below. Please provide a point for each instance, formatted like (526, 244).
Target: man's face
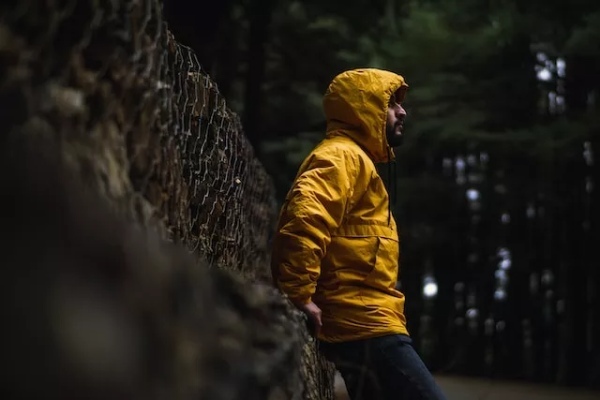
(395, 122)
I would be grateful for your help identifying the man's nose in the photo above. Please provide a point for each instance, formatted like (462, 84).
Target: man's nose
(400, 111)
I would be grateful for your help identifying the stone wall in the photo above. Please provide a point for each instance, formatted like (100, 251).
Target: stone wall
(139, 218)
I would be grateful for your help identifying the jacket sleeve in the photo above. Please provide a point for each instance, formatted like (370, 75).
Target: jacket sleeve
(314, 207)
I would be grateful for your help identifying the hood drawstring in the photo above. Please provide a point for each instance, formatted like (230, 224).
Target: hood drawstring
(391, 184)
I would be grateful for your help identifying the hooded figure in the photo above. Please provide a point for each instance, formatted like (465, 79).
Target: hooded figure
(336, 247)
(336, 243)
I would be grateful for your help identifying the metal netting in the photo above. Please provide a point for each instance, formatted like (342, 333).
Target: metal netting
(165, 144)
(139, 120)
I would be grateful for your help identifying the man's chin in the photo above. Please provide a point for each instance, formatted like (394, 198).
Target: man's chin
(396, 140)
(394, 137)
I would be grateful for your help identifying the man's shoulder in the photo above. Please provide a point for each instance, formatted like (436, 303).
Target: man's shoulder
(340, 146)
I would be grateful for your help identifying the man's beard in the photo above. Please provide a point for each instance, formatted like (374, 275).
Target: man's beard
(393, 139)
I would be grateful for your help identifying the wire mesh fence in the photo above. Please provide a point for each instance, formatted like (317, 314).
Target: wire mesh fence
(165, 144)
(138, 119)
(229, 205)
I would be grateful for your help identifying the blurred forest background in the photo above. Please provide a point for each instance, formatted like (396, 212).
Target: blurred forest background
(496, 199)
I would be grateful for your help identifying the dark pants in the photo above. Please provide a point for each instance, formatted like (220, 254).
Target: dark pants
(385, 368)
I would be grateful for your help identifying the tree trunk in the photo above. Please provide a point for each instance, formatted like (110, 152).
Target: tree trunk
(260, 14)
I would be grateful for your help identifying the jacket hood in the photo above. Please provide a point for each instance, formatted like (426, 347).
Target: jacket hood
(356, 104)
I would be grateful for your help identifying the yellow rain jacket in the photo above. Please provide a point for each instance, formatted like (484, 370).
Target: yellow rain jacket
(336, 242)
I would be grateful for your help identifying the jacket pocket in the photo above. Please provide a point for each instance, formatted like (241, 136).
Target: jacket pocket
(384, 273)
(349, 261)
(361, 255)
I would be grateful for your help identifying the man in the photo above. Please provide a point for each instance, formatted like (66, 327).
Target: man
(336, 248)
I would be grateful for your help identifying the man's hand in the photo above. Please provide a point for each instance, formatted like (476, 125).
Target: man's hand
(313, 312)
